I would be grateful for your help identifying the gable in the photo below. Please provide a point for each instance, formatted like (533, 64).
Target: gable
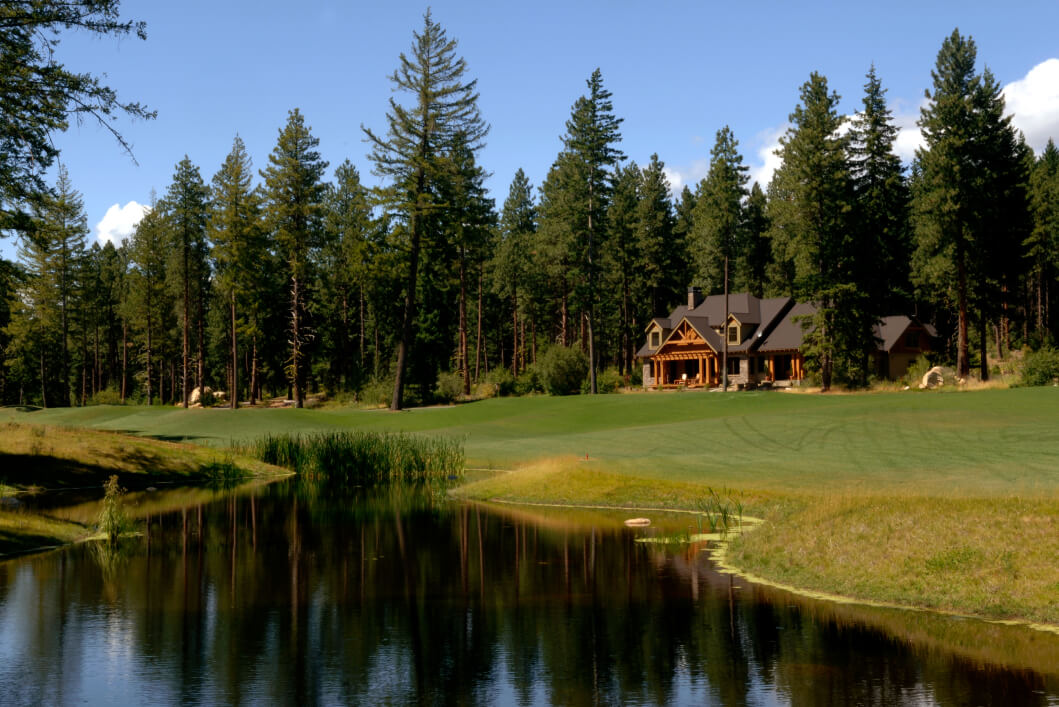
(685, 336)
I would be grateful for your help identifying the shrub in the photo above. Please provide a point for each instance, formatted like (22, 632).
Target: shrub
(377, 391)
(107, 396)
(530, 381)
(1040, 368)
(449, 387)
(502, 380)
(563, 370)
(607, 381)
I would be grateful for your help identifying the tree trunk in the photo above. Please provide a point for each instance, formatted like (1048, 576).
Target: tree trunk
(983, 342)
(563, 318)
(253, 372)
(591, 299)
(724, 332)
(963, 364)
(465, 367)
(296, 353)
(514, 334)
(233, 388)
(149, 354)
(478, 333)
(186, 342)
(362, 330)
(124, 358)
(200, 372)
(408, 316)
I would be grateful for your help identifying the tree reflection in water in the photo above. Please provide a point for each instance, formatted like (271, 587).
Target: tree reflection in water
(292, 595)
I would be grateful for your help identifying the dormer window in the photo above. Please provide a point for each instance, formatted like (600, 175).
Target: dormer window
(912, 340)
(656, 339)
(733, 333)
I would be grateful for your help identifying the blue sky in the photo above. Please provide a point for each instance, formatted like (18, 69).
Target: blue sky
(678, 72)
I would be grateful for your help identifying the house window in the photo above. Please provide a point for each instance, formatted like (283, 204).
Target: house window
(912, 340)
(733, 366)
(656, 339)
(733, 333)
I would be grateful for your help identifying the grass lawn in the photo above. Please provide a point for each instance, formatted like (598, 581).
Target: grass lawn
(947, 500)
(37, 457)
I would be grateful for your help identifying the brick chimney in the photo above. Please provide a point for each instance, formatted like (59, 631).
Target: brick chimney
(694, 297)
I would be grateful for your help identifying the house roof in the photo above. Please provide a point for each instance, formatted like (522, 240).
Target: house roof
(787, 334)
(890, 330)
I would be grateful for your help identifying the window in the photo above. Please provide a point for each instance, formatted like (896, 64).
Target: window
(656, 339)
(912, 340)
(733, 366)
(733, 333)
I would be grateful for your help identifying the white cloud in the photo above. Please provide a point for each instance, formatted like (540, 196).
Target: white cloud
(119, 222)
(686, 176)
(768, 142)
(1034, 101)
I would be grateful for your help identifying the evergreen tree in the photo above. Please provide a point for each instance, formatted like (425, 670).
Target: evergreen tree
(39, 95)
(967, 184)
(661, 246)
(753, 269)
(809, 207)
(345, 270)
(412, 154)
(620, 261)
(237, 235)
(881, 214)
(186, 212)
(294, 211)
(590, 148)
(148, 304)
(514, 276)
(717, 235)
(1042, 247)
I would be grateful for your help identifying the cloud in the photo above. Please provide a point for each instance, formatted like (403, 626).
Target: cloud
(1034, 101)
(119, 222)
(686, 176)
(767, 142)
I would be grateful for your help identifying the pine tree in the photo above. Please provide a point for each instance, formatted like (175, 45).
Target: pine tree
(346, 264)
(294, 211)
(514, 276)
(661, 245)
(810, 200)
(39, 95)
(881, 214)
(186, 214)
(1042, 246)
(592, 134)
(620, 261)
(753, 269)
(237, 235)
(443, 105)
(148, 304)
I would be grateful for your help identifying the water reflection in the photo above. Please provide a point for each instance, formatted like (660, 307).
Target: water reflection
(284, 595)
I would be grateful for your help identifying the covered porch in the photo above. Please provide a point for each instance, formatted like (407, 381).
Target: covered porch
(692, 369)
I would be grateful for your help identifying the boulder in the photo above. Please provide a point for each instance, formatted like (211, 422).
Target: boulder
(197, 395)
(935, 377)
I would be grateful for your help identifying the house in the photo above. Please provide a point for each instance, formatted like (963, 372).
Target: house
(764, 338)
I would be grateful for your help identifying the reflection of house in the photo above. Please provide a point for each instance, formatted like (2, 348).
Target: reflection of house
(764, 342)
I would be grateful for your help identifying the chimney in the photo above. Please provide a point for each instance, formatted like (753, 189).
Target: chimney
(694, 297)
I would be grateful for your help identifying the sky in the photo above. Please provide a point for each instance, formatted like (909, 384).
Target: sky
(678, 71)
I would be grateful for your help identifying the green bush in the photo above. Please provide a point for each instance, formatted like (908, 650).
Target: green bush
(530, 381)
(563, 370)
(377, 391)
(502, 380)
(1040, 368)
(113, 522)
(449, 387)
(607, 381)
(107, 396)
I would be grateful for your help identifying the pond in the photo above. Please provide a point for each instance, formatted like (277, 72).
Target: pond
(285, 594)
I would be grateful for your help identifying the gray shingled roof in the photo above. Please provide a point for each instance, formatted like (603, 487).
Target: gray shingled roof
(787, 334)
(890, 330)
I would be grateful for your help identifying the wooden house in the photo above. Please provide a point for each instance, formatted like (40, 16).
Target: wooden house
(764, 337)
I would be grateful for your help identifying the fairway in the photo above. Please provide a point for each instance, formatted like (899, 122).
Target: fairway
(968, 444)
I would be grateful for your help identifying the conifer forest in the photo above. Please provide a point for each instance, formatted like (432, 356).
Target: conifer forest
(293, 279)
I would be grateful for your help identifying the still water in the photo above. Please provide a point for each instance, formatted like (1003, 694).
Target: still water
(285, 594)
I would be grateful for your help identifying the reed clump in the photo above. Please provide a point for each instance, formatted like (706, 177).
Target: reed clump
(358, 457)
(113, 521)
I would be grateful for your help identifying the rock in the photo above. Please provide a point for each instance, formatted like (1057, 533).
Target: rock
(197, 395)
(638, 522)
(935, 377)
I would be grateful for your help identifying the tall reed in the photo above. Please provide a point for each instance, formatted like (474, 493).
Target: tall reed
(356, 457)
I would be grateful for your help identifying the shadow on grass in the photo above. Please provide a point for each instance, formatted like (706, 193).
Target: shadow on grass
(48, 472)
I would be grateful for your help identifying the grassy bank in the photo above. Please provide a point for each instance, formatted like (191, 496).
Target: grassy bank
(947, 500)
(36, 458)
